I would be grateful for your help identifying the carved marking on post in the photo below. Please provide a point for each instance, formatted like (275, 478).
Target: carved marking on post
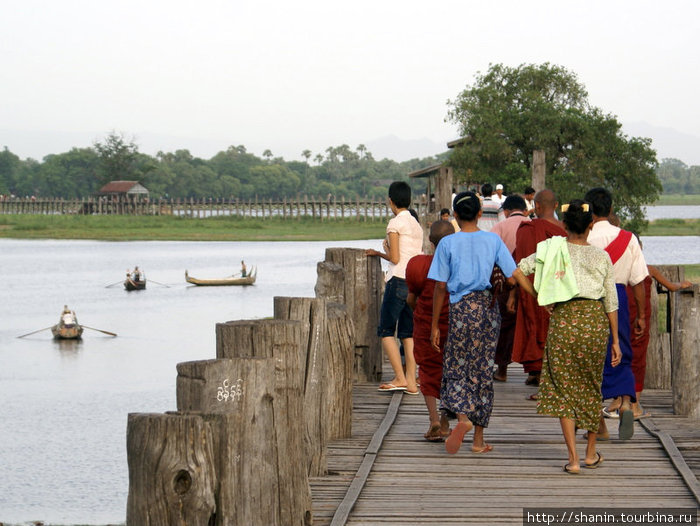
(234, 392)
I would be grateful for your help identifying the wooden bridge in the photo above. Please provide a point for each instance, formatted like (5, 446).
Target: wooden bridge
(387, 474)
(286, 428)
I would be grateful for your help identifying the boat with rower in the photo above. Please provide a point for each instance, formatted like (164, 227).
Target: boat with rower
(249, 279)
(135, 280)
(67, 327)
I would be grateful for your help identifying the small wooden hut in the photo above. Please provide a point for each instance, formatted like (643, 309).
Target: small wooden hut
(124, 190)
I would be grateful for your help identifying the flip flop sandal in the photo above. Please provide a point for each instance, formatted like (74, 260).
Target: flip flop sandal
(485, 449)
(390, 387)
(454, 441)
(626, 429)
(567, 469)
(598, 461)
(434, 434)
(612, 413)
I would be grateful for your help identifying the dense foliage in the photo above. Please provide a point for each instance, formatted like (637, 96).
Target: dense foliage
(510, 112)
(233, 173)
(678, 178)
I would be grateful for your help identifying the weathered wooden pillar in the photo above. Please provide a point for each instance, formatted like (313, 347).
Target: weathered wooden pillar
(685, 363)
(311, 313)
(281, 340)
(658, 373)
(362, 289)
(172, 478)
(340, 362)
(236, 398)
(538, 170)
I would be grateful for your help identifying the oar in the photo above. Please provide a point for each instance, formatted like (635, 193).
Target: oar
(99, 330)
(113, 284)
(44, 329)
(158, 283)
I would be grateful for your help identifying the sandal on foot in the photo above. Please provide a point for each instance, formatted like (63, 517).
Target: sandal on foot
(533, 379)
(485, 449)
(390, 387)
(611, 413)
(454, 441)
(534, 397)
(598, 461)
(434, 434)
(626, 430)
(413, 393)
(570, 471)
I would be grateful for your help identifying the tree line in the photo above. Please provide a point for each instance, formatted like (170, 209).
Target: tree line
(233, 173)
(679, 178)
(506, 114)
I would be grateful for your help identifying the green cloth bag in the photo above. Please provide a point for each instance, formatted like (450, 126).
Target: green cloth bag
(554, 278)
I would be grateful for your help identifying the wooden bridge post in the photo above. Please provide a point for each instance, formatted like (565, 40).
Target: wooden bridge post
(360, 289)
(659, 352)
(538, 170)
(281, 340)
(685, 364)
(236, 397)
(171, 470)
(311, 313)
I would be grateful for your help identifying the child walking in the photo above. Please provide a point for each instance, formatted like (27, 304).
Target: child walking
(420, 298)
(462, 267)
(404, 240)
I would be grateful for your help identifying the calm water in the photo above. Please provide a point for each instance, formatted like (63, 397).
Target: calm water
(673, 212)
(64, 406)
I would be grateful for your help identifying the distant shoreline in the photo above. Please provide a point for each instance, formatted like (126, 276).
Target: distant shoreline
(168, 228)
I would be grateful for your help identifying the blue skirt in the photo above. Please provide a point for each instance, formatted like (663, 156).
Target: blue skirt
(619, 381)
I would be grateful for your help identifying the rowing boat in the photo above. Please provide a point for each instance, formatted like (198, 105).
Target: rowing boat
(130, 284)
(64, 332)
(233, 280)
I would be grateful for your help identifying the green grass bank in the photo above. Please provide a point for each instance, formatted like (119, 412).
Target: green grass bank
(678, 199)
(168, 228)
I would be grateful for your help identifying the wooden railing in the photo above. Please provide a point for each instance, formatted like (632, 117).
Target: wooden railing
(364, 209)
(361, 209)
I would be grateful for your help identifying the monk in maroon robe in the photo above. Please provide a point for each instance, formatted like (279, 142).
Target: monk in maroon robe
(532, 321)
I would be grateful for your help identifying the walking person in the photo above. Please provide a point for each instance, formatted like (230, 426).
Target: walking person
(531, 320)
(629, 268)
(403, 241)
(462, 266)
(576, 281)
(420, 299)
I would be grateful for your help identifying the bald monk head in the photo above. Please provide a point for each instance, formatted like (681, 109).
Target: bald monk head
(545, 204)
(440, 229)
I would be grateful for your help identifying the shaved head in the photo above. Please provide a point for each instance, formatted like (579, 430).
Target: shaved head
(546, 204)
(546, 199)
(440, 229)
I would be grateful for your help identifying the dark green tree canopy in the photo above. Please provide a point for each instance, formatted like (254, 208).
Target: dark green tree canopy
(510, 112)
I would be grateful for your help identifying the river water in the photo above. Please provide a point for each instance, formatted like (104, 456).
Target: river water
(64, 406)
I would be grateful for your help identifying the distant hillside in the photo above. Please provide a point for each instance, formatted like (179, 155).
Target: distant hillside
(399, 150)
(667, 142)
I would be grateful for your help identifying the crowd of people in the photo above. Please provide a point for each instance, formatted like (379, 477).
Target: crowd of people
(561, 290)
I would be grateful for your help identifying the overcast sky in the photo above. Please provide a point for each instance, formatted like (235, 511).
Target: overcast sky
(289, 76)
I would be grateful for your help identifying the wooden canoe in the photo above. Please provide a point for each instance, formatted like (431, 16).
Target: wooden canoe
(248, 280)
(130, 284)
(62, 332)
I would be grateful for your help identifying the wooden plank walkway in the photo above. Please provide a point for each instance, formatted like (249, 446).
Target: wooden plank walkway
(413, 482)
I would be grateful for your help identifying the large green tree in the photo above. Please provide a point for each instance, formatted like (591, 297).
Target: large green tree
(118, 158)
(510, 112)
